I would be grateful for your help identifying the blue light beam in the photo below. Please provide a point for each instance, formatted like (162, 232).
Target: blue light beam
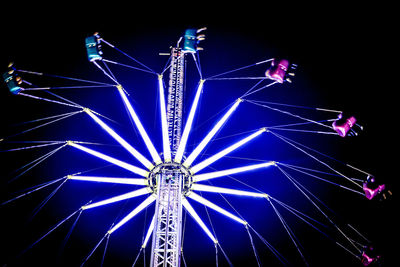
(139, 126)
(223, 190)
(164, 122)
(216, 174)
(211, 205)
(188, 125)
(113, 180)
(224, 152)
(197, 218)
(149, 232)
(210, 135)
(133, 213)
(120, 140)
(112, 160)
(129, 195)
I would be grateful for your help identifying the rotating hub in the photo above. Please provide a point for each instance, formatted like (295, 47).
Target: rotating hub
(169, 172)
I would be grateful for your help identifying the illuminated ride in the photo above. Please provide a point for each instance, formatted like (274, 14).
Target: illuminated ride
(178, 176)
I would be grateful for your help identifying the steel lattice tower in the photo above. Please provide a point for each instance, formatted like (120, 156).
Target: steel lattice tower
(166, 245)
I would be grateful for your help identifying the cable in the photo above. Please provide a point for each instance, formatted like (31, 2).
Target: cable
(64, 243)
(324, 180)
(63, 77)
(31, 147)
(44, 202)
(287, 113)
(197, 66)
(254, 86)
(125, 54)
(289, 231)
(259, 89)
(285, 139)
(49, 232)
(50, 100)
(105, 73)
(94, 249)
(226, 256)
(296, 184)
(58, 118)
(35, 163)
(254, 248)
(33, 189)
(270, 247)
(105, 250)
(240, 68)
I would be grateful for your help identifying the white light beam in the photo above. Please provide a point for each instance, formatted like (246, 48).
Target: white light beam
(133, 213)
(188, 125)
(164, 123)
(139, 126)
(196, 217)
(210, 135)
(112, 160)
(224, 152)
(222, 190)
(113, 180)
(149, 232)
(211, 175)
(128, 195)
(120, 140)
(211, 205)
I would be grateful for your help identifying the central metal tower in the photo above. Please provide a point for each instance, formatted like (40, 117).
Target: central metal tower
(175, 98)
(166, 245)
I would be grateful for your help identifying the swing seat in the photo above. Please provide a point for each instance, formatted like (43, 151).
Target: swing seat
(369, 256)
(13, 81)
(371, 193)
(277, 71)
(343, 124)
(190, 41)
(93, 48)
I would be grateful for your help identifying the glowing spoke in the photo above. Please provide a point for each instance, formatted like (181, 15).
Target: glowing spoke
(211, 175)
(149, 232)
(211, 205)
(210, 135)
(117, 162)
(133, 213)
(139, 126)
(222, 190)
(164, 123)
(113, 180)
(189, 122)
(129, 195)
(120, 140)
(224, 152)
(196, 217)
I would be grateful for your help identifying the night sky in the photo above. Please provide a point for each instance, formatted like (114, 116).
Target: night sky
(345, 58)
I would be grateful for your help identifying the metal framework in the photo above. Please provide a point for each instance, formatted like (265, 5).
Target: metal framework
(175, 97)
(168, 218)
(166, 245)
